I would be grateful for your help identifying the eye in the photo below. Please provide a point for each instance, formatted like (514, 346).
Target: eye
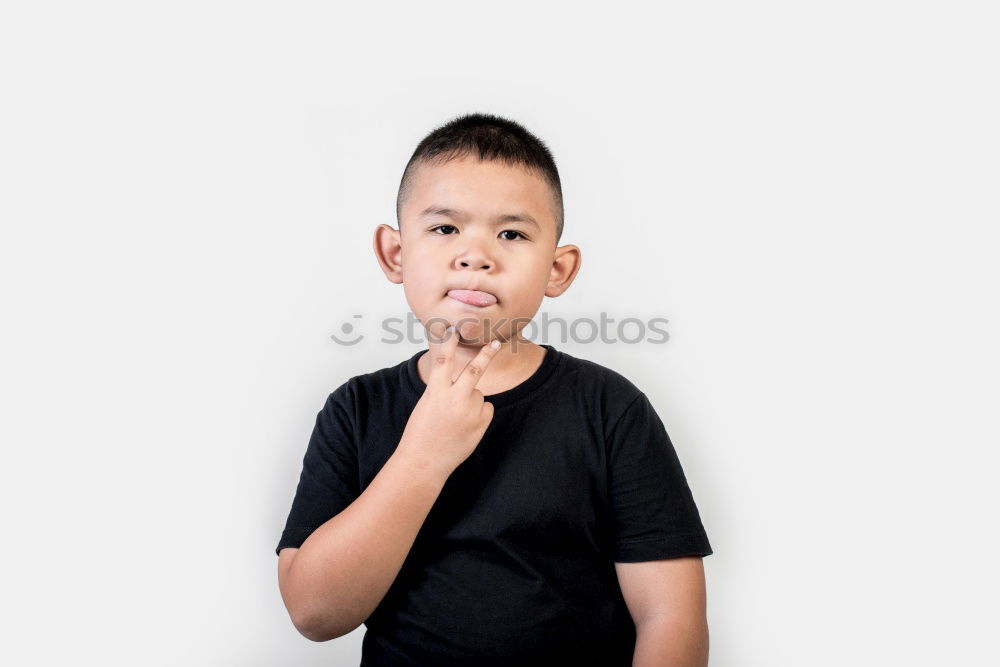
(506, 231)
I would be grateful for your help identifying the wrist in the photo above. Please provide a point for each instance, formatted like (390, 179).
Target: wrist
(414, 456)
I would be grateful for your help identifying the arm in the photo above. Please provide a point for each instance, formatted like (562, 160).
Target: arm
(666, 599)
(334, 581)
(662, 642)
(343, 569)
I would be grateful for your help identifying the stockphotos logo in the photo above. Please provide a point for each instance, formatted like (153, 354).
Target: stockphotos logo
(604, 329)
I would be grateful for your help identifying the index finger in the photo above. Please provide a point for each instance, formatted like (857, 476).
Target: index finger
(441, 348)
(473, 371)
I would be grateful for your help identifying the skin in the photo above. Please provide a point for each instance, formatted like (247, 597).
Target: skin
(516, 261)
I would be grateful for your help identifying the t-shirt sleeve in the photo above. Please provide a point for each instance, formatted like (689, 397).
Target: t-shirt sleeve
(329, 479)
(655, 516)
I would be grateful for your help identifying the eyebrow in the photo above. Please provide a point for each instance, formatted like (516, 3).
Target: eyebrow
(500, 219)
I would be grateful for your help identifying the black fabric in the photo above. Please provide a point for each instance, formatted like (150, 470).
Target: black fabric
(515, 561)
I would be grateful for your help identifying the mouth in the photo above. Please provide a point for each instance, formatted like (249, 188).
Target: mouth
(472, 297)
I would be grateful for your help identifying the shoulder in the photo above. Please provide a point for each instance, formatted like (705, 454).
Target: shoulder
(609, 391)
(362, 391)
(598, 376)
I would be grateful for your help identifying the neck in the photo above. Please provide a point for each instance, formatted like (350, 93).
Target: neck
(514, 359)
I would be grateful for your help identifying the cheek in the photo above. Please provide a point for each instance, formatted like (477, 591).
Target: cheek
(419, 291)
(414, 291)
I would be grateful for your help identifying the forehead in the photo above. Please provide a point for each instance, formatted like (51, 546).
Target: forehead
(480, 189)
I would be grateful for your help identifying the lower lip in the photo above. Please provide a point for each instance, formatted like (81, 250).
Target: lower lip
(472, 305)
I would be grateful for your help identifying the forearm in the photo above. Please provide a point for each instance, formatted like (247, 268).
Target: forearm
(664, 641)
(345, 567)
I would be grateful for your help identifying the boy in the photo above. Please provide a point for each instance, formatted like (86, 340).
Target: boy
(490, 501)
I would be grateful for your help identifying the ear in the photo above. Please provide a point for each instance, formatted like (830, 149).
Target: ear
(389, 253)
(565, 266)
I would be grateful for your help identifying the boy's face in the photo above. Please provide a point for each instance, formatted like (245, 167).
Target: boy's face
(483, 226)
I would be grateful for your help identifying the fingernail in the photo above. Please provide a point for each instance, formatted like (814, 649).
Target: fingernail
(495, 344)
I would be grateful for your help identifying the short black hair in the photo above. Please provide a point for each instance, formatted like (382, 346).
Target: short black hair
(489, 137)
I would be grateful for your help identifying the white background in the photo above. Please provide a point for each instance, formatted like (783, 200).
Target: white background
(807, 191)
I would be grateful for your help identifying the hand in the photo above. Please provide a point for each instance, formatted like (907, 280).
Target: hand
(450, 418)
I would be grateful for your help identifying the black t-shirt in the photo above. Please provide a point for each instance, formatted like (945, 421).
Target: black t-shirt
(514, 564)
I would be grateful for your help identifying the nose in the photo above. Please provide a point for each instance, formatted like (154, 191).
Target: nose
(474, 257)
(474, 261)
